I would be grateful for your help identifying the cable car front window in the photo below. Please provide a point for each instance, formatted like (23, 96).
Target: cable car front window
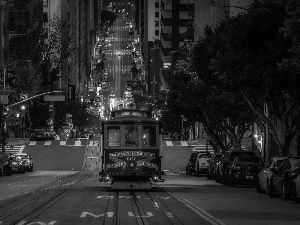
(113, 137)
(149, 136)
(131, 136)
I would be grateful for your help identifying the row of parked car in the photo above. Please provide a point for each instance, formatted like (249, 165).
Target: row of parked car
(15, 163)
(277, 177)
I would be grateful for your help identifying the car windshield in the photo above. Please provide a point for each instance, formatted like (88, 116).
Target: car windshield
(23, 156)
(248, 161)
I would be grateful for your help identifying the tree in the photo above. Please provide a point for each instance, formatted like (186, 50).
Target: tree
(52, 44)
(249, 55)
(80, 115)
(199, 96)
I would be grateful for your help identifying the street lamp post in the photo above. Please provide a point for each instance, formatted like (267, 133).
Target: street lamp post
(22, 120)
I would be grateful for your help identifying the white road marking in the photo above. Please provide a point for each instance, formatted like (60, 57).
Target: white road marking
(149, 214)
(201, 212)
(109, 214)
(169, 214)
(19, 186)
(105, 197)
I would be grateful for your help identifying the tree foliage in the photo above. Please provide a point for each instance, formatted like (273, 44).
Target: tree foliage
(247, 61)
(80, 115)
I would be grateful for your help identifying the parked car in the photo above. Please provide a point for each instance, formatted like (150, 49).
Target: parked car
(17, 164)
(112, 94)
(263, 181)
(104, 84)
(27, 161)
(38, 135)
(281, 178)
(128, 83)
(87, 134)
(190, 167)
(105, 77)
(244, 170)
(227, 160)
(201, 163)
(5, 164)
(212, 163)
(296, 188)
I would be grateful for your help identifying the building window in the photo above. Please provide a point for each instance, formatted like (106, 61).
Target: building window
(149, 136)
(156, 4)
(156, 23)
(113, 136)
(167, 7)
(156, 32)
(45, 17)
(156, 14)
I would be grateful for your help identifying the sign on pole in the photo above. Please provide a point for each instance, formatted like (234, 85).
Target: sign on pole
(54, 98)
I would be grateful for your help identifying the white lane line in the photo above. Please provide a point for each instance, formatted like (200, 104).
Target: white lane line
(201, 212)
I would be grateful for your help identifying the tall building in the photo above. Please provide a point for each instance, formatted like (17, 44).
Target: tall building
(163, 27)
(4, 33)
(82, 20)
(210, 12)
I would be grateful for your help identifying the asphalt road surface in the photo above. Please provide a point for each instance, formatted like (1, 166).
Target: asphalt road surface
(74, 197)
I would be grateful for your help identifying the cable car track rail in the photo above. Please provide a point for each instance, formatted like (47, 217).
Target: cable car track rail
(140, 204)
(38, 200)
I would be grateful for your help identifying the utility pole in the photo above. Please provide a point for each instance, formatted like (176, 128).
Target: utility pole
(4, 100)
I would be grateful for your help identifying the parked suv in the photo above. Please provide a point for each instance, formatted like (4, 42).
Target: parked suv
(5, 164)
(244, 170)
(282, 179)
(227, 160)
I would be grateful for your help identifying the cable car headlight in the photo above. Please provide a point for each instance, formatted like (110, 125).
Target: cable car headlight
(155, 178)
(106, 177)
(131, 165)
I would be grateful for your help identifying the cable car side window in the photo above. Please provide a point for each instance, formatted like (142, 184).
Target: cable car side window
(149, 136)
(131, 135)
(113, 136)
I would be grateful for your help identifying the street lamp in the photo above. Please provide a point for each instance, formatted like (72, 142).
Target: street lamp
(4, 100)
(22, 120)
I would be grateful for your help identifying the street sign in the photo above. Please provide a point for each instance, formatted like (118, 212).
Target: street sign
(54, 98)
(3, 99)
